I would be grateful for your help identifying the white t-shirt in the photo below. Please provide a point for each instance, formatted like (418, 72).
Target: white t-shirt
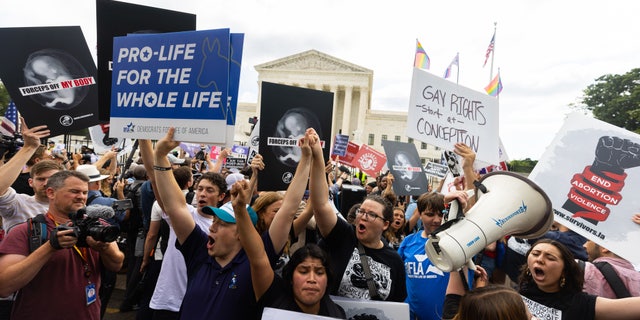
(156, 215)
(16, 208)
(172, 281)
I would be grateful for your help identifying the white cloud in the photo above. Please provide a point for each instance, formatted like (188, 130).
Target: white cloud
(547, 51)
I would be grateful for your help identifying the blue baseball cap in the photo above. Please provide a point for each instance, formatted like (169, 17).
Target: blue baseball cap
(226, 214)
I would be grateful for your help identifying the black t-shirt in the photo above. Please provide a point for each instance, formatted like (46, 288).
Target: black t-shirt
(387, 268)
(451, 306)
(551, 306)
(277, 296)
(559, 305)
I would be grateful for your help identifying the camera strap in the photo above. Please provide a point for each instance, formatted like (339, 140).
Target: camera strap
(91, 198)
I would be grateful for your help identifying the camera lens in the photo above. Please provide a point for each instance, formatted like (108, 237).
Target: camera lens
(104, 233)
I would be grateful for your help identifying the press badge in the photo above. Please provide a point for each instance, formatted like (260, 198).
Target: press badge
(90, 291)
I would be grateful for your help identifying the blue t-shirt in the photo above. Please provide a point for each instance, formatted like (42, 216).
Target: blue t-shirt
(215, 291)
(409, 212)
(426, 284)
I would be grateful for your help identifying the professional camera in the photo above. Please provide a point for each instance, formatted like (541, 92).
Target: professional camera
(200, 155)
(122, 204)
(9, 145)
(90, 221)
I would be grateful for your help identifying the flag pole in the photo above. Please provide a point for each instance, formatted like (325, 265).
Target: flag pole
(493, 52)
(458, 67)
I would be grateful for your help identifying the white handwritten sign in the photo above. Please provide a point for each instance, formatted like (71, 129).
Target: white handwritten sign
(443, 113)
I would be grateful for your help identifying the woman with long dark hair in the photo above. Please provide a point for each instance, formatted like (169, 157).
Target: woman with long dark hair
(303, 285)
(551, 283)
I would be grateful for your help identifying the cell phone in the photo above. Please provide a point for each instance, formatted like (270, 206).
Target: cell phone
(122, 204)
(453, 163)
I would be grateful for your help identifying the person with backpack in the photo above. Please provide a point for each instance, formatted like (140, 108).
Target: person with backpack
(135, 233)
(16, 207)
(60, 279)
(608, 275)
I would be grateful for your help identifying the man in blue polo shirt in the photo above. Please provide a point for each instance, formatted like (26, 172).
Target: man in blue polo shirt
(219, 278)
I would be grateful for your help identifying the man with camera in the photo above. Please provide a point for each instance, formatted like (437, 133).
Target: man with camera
(60, 279)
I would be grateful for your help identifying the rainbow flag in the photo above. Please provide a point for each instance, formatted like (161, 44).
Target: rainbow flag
(494, 87)
(454, 62)
(422, 59)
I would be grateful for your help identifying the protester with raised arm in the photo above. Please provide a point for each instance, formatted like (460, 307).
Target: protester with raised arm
(344, 242)
(219, 277)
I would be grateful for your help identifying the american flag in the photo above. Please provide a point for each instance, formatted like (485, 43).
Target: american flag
(490, 49)
(10, 120)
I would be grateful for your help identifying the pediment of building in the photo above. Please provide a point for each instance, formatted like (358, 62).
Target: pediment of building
(312, 60)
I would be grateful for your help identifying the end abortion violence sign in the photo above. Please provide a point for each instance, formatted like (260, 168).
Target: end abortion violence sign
(167, 80)
(443, 113)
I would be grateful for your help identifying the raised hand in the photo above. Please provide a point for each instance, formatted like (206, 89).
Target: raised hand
(314, 140)
(32, 136)
(224, 154)
(257, 163)
(328, 168)
(636, 218)
(167, 143)
(240, 193)
(465, 152)
(305, 143)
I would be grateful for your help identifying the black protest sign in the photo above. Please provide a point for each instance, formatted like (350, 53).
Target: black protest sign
(404, 163)
(285, 114)
(51, 77)
(115, 19)
(436, 170)
(237, 163)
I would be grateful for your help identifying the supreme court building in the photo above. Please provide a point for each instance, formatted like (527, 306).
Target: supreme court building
(352, 113)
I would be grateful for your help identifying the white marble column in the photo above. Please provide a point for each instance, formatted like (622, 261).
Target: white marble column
(346, 115)
(363, 106)
(334, 130)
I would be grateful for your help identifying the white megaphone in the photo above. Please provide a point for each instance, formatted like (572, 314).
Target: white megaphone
(510, 204)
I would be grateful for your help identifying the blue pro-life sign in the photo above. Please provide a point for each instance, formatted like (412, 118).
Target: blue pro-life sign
(171, 80)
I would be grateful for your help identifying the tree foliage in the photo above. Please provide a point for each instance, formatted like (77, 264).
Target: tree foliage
(524, 165)
(4, 98)
(615, 99)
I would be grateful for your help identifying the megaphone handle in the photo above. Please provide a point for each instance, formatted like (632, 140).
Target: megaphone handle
(465, 281)
(471, 265)
(463, 278)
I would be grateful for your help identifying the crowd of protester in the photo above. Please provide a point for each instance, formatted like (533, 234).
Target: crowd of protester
(197, 240)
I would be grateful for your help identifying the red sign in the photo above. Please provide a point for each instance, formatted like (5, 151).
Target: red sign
(352, 150)
(369, 160)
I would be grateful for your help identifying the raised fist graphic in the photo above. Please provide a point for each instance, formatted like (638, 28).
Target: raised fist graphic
(600, 184)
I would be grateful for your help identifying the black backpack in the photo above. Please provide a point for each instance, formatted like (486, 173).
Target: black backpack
(612, 278)
(37, 230)
(132, 192)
